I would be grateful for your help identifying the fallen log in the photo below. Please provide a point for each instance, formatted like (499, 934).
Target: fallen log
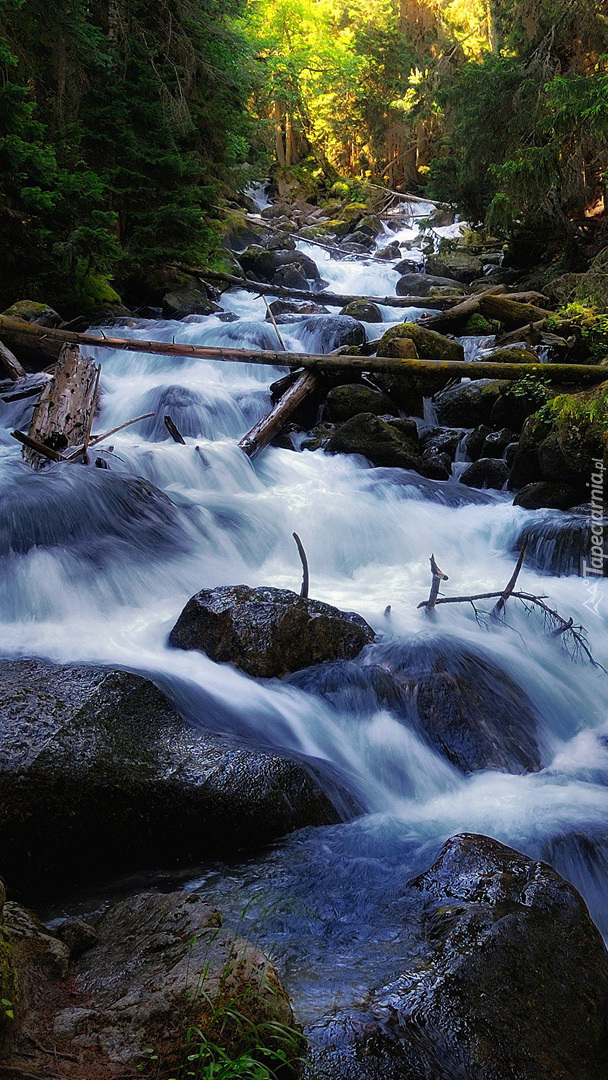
(174, 431)
(471, 305)
(323, 297)
(36, 447)
(261, 433)
(585, 374)
(63, 414)
(11, 364)
(512, 312)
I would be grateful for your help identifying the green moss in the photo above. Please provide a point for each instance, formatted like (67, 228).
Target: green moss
(9, 992)
(585, 410)
(477, 324)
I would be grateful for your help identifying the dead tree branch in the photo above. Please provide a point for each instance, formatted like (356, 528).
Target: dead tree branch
(305, 576)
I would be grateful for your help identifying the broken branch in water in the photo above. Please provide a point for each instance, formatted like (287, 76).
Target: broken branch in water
(174, 431)
(274, 323)
(305, 577)
(558, 625)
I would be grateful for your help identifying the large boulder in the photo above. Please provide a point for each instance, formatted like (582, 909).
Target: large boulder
(99, 774)
(191, 300)
(155, 965)
(346, 401)
(381, 442)
(558, 543)
(455, 264)
(564, 440)
(510, 354)
(324, 333)
(486, 472)
(416, 284)
(546, 493)
(267, 632)
(30, 311)
(263, 264)
(468, 404)
(510, 980)
(429, 344)
(364, 310)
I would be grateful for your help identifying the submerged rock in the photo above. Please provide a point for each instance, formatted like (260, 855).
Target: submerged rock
(511, 980)
(267, 632)
(99, 774)
(561, 543)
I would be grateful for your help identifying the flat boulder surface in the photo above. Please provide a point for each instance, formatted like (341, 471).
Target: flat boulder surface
(268, 632)
(99, 775)
(510, 981)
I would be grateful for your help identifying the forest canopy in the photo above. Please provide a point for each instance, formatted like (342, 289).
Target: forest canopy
(123, 124)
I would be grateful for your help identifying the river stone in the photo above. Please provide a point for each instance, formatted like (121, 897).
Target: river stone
(475, 442)
(381, 442)
(363, 310)
(468, 404)
(263, 264)
(346, 401)
(267, 632)
(561, 543)
(441, 441)
(416, 284)
(546, 493)
(99, 775)
(455, 264)
(429, 344)
(486, 472)
(191, 300)
(509, 982)
(496, 443)
(510, 354)
(296, 307)
(31, 311)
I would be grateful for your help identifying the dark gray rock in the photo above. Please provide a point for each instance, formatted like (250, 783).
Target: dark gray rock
(416, 284)
(435, 465)
(546, 493)
(468, 404)
(263, 264)
(296, 307)
(441, 441)
(560, 543)
(100, 775)
(496, 443)
(191, 300)
(78, 935)
(267, 632)
(486, 473)
(380, 442)
(510, 981)
(346, 401)
(363, 310)
(475, 442)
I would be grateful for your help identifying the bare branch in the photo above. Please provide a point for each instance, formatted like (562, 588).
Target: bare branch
(305, 577)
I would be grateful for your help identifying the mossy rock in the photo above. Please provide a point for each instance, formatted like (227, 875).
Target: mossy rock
(353, 211)
(478, 325)
(511, 354)
(546, 493)
(469, 404)
(430, 344)
(9, 990)
(30, 311)
(380, 442)
(401, 348)
(363, 310)
(346, 401)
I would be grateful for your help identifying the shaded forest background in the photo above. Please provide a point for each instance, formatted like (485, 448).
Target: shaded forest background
(125, 124)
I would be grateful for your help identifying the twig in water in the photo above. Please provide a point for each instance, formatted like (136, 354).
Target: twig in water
(437, 576)
(174, 431)
(274, 323)
(302, 554)
(512, 581)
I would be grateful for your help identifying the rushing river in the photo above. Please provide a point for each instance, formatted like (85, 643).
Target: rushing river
(85, 577)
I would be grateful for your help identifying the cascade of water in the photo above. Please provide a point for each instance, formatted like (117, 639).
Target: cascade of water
(368, 534)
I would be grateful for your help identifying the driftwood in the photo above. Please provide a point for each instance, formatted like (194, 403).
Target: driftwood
(270, 314)
(37, 448)
(11, 364)
(304, 561)
(174, 431)
(29, 386)
(265, 430)
(576, 636)
(63, 415)
(580, 374)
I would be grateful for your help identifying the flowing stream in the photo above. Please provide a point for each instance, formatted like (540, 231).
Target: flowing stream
(89, 574)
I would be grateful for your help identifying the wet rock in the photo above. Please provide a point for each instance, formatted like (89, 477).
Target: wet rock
(78, 935)
(324, 333)
(242, 235)
(407, 392)
(408, 266)
(364, 311)
(263, 264)
(296, 307)
(486, 473)
(31, 311)
(496, 443)
(267, 632)
(468, 404)
(429, 344)
(510, 980)
(99, 774)
(344, 402)
(290, 277)
(435, 465)
(478, 325)
(391, 251)
(416, 284)
(380, 442)
(441, 440)
(462, 703)
(564, 441)
(546, 493)
(561, 543)
(475, 442)
(455, 264)
(29, 938)
(191, 300)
